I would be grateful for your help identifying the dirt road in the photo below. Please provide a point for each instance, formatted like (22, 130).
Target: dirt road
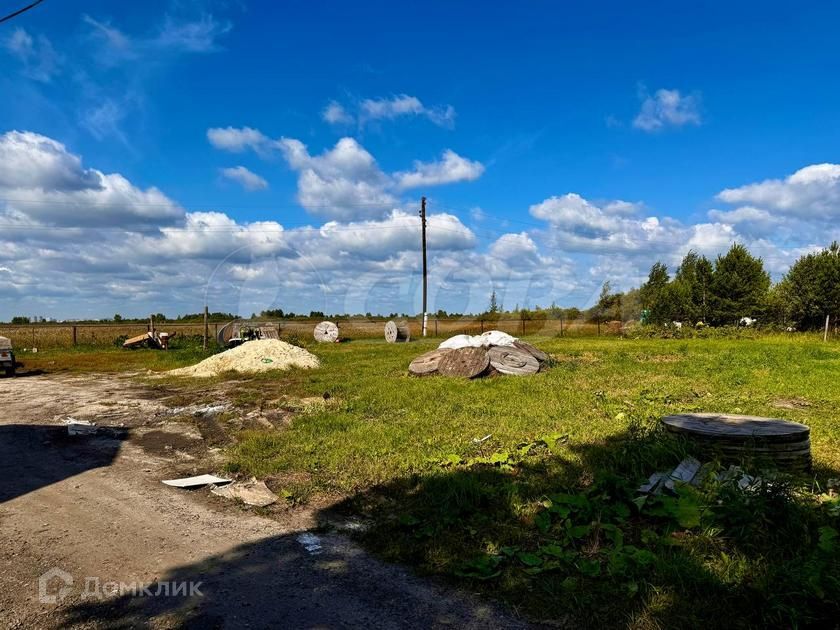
(126, 551)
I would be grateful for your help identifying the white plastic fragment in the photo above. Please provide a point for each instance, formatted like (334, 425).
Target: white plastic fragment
(195, 482)
(310, 542)
(683, 473)
(250, 493)
(79, 427)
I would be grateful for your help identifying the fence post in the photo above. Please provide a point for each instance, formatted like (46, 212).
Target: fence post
(561, 325)
(523, 325)
(74, 335)
(206, 329)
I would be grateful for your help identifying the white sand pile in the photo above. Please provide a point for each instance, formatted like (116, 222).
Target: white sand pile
(262, 355)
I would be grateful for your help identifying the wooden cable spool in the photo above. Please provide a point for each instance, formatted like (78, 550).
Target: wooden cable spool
(397, 332)
(464, 362)
(535, 352)
(786, 444)
(512, 360)
(326, 332)
(427, 364)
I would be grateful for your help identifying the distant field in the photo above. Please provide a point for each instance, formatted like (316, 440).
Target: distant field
(543, 513)
(61, 335)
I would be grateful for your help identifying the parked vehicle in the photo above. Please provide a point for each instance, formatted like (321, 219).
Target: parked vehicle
(7, 356)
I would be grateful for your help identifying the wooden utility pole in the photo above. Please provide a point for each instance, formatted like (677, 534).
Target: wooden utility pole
(425, 287)
(206, 328)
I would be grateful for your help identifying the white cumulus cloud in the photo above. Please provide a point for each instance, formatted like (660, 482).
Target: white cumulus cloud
(449, 169)
(342, 183)
(811, 192)
(335, 114)
(244, 177)
(405, 105)
(238, 139)
(42, 181)
(667, 108)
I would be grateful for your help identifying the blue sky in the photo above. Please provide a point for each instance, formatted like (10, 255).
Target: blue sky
(273, 154)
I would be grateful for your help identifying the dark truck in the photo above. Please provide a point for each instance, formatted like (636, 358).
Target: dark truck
(7, 356)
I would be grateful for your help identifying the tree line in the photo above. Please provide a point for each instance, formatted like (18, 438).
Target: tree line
(732, 287)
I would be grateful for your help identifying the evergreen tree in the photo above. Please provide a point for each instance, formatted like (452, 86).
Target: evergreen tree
(693, 277)
(739, 286)
(652, 292)
(609, 304)
(811, 288)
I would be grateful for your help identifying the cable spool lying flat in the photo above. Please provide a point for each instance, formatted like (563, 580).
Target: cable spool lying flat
(465, 362)
(785, 444)
(535, 352)
(326, 332)
(512, 360)
(427, 364)
(397, 332)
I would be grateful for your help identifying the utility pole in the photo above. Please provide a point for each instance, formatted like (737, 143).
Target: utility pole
(425, 287)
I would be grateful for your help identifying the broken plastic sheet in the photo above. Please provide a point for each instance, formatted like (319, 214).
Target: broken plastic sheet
(195, 482)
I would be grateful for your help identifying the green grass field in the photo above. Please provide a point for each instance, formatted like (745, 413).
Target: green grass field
(543, 515)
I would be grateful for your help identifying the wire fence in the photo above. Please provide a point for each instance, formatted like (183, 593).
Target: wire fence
(66, 335)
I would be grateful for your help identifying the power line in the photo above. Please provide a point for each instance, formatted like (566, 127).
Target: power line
(19, 11)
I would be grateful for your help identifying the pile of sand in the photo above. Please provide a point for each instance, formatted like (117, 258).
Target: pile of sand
(253, 356)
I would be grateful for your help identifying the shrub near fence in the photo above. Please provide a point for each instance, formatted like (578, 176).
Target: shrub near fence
(67, 335)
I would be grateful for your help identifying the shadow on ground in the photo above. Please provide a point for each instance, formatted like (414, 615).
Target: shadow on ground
(476, 528)
(278, 583)
(34, 456)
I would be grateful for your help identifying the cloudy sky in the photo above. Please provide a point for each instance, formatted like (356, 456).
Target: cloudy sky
(263, 155)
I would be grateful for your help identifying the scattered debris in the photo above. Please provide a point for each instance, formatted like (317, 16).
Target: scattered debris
(196, 482)
(209, 410)
(80, 427)
(237, 332)
(791, 403)
(484, 439)
(198, 410)
(150, 339)
(491, 353)
(250, 358)
(691, 472)
(683, 473)
(249, 492)
(7, 356)
(310, 542)
(653, 483)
